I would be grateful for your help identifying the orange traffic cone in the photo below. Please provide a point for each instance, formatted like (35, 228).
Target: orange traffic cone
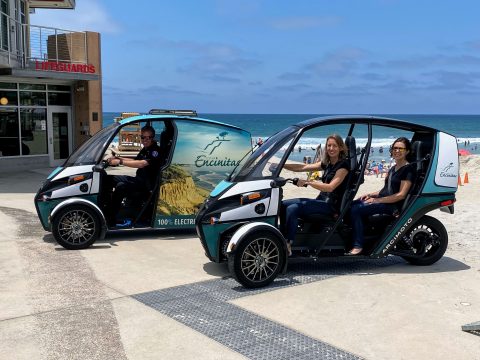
(465, 180)
(459, 180)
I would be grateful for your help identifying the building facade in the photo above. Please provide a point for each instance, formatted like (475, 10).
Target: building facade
(50, 87)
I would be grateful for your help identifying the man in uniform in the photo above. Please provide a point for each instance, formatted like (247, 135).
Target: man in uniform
(147, 163)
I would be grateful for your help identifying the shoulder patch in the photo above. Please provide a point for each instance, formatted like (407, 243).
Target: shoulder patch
(154, 153)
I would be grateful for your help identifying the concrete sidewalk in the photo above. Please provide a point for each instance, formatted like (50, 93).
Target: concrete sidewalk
(154, 295)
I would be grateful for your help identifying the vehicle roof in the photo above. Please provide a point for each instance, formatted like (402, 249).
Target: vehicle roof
(147, 117)
(364, 119)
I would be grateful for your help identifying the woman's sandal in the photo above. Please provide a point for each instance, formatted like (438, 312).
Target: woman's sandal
(289, 248)
(355, 251)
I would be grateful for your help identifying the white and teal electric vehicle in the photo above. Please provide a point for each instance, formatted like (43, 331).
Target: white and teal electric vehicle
(195, 154)
(239, 222)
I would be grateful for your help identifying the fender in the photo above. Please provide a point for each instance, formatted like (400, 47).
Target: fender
(80, 201)
(249, 228)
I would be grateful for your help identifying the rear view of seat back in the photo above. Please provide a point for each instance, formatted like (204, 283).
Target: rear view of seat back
(353, 174)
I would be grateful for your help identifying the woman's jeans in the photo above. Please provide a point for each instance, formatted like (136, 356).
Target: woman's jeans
(360, 211)
(292, 209)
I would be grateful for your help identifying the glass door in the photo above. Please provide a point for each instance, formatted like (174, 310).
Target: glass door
(59, 134)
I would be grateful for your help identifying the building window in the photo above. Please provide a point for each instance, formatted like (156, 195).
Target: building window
(9, 137)
(32, 87)
(8, 98)
(4, 15)
(59, 98)
(32, 98)
(34, 131)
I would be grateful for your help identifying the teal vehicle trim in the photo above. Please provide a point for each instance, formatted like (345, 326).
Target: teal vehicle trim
(221, 187)
(212, 237)
(420, 207)
(174, 117)
(430, 186)
(55, 172)
(45, 208)
(212, 233)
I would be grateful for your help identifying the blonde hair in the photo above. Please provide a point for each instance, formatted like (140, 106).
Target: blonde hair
(343, 149)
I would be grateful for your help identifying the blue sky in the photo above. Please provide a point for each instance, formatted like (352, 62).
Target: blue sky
(279, 56)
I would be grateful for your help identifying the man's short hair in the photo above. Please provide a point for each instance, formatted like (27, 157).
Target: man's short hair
(148, 128)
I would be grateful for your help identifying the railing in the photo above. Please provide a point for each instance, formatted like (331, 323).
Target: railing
(25, 44)
(51, 44)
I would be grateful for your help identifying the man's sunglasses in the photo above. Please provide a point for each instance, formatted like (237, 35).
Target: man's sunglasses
(143, 137)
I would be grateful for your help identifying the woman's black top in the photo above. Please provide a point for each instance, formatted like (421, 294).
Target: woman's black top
(394, 178)
(334, 198)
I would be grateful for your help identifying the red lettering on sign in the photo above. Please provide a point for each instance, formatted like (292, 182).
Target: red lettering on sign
(64, 67)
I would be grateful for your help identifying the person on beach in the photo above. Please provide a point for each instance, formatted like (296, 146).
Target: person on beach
(147, 163)
(389, 199)
(332, 185)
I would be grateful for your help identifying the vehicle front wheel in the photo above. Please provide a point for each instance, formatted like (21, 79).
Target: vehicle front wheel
(76, 227)
(428, 241)
(257, 260)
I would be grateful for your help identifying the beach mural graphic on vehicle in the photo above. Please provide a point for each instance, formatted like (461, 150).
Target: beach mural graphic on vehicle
(204, 155)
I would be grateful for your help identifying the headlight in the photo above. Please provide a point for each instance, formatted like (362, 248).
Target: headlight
(253, 196)
(74, 179)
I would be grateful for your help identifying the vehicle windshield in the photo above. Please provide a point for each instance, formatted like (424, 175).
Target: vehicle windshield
(89, 152)
(259, 164)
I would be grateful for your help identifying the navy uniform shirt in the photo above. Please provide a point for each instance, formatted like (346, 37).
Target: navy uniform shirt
(149, 173)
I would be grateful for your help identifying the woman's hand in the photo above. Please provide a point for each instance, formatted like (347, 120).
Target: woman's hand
(302, 183)
(365, 197)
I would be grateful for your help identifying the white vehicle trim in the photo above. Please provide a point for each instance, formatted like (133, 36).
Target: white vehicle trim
(244, 230)
(273, 209)
(72, 190)
(73, 170)
(95, 187)
(447, 170)
(73, 201)
(245, 211)
(247, 186)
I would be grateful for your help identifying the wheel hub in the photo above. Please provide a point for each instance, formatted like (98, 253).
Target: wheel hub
(260, 261)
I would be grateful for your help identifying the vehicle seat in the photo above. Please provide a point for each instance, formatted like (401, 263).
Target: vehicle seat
(420, 162)
(352, 177)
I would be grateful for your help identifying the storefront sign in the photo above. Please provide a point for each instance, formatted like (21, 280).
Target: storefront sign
(64, 67)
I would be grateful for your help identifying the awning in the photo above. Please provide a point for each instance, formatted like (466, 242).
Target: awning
(39, 74)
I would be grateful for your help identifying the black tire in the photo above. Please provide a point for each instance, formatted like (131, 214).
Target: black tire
(429, 238)
(257, 260)
(76, 227)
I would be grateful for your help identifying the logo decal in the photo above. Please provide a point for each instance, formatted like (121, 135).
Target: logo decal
(154, 153)
(208, 159)
(448, 171)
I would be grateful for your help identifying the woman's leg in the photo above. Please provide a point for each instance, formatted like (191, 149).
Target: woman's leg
(359, 212)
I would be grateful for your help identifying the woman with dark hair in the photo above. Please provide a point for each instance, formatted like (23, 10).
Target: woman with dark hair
(390, 198)
(332, 185)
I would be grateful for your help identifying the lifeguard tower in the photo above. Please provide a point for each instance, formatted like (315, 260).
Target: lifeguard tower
(129, 136)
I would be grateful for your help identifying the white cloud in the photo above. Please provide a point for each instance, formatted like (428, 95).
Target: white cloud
(87, 16)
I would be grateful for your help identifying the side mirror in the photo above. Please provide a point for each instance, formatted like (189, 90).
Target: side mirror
(99, 167)
(278, 182)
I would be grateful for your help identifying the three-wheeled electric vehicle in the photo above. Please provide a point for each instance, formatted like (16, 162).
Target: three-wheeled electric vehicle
(240, 221)
(195, 154)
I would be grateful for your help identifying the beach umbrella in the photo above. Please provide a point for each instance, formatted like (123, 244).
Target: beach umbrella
(464, 152)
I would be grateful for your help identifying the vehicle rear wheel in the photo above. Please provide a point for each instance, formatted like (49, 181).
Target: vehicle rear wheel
(428, 241)
(76, 227)
(257, 260)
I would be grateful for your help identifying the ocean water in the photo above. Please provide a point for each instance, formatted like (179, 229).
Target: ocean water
(465, 127)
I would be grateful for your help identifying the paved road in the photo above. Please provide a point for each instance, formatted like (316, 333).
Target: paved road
(146, 295)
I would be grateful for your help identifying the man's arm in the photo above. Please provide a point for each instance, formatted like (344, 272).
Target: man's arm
(138, 164)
